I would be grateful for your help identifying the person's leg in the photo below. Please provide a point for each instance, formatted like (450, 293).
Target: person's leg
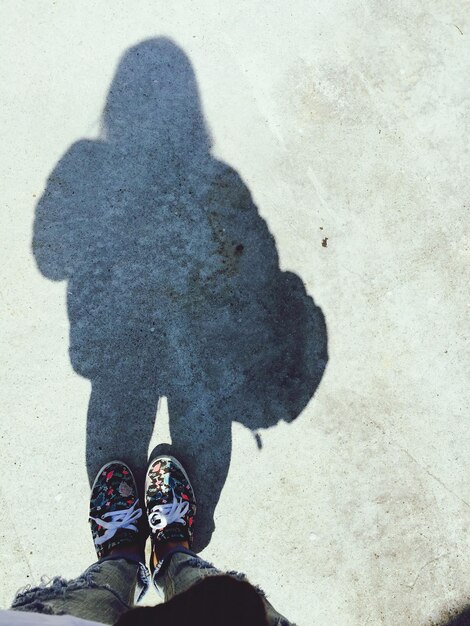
(181, 570)
(108, 588)
(171, 508)
(213, 600)
(102, 593)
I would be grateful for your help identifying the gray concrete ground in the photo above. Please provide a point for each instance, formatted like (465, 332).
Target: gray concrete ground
(143, 144)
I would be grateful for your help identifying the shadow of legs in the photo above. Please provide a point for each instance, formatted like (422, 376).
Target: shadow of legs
(120, 422)
(202, 441)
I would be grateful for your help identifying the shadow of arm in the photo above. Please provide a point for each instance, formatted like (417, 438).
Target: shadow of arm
(58, 234)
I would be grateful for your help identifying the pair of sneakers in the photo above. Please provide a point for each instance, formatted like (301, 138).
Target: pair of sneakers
(117, 519)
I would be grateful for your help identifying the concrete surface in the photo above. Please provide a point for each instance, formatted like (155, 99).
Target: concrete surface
(329, 140)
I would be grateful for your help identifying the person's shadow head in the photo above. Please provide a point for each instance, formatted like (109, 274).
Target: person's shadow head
(154, 104)
(174, 286)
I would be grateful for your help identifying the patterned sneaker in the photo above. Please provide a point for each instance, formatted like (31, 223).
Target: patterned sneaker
(114, 509)
(170, 501)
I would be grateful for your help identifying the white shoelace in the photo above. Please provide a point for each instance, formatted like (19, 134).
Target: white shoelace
(117, 520)
(163, 514)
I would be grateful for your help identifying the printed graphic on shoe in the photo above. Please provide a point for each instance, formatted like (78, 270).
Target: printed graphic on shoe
(114, 508)
(170, 501)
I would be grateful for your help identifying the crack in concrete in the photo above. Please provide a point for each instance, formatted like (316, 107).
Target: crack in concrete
(437, 558)
(423, 467)
(448, 489)
(17, 541)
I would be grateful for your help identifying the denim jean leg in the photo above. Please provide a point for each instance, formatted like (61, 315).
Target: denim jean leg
(181, 569)
(101, 594)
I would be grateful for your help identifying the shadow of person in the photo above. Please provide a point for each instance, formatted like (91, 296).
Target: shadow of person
(458, 617)
(174, 287)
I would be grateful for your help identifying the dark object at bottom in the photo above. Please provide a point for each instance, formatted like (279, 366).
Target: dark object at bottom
(213, 601)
